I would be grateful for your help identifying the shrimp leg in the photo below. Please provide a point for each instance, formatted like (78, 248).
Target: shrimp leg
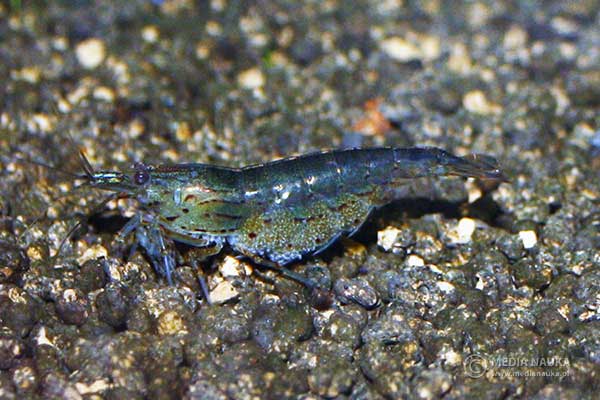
(288, 273)
(159, 249)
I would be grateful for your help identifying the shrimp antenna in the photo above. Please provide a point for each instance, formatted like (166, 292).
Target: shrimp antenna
(67, 237)
(78, 225)
(87, 167)
(95, 209)
(85, 163)
(50, 167)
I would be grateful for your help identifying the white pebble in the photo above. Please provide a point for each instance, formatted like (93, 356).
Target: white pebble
(431, 48)
(213, 28)
(104, 93)
(476, 102)
(43, 123)
(90, 53)
(69, 295)
(515, 38)
(224, 292)
(42, 338)
(231, 268)
(93, 253)
(135, 128)
(529, 238)
(473, 191)
(202, 51)
(460, 59)
(479, 285)
(387, 237)
(150, 33)
(415, 261)
(451, 357)
(252, 78)
(95, 387)
(400, 49)
(466, 227)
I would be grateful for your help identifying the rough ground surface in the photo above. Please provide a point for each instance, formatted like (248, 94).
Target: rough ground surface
(437, 297)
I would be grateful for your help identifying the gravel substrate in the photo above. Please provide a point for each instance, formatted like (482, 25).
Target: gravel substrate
(478, 290)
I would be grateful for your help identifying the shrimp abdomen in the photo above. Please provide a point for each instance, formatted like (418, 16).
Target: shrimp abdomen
(299, 205)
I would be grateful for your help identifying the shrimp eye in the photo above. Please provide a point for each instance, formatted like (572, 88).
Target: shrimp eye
(141, 177)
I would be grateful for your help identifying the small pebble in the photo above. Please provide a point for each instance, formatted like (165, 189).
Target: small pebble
(104, 93)
(460, 60)
(387, 237)
(27, 74)
(476, 102)
(474, 192)
(432, 384)
(357, 291)
(150, 33)
(224, 292)
(202, 51)
(231, 268)
(171, 323)
(90, 53)
(183, 131)
(43, 122)
(136, 128)
(213, 28)
(415, 261)
(113, 305)
(251, 79)
(431, 47)
(515, 38)
(400, 49)
(93, 253)
(466, 227)
(25, 378)
(96, 387)
(72, 307)
(529, 238)
(445, 287)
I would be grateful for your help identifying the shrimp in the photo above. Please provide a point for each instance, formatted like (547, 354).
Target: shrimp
(274, 213)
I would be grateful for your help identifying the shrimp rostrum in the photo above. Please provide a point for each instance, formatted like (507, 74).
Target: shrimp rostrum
(277, 212)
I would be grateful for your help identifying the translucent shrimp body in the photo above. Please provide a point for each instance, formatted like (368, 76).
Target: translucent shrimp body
(280, 211)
